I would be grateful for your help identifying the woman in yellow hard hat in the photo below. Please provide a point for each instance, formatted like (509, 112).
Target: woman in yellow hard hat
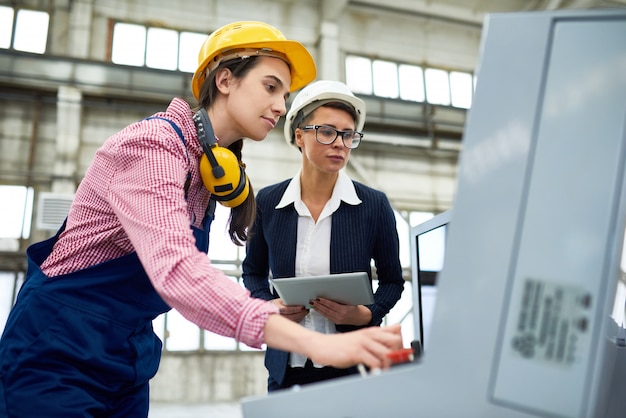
(79, 340)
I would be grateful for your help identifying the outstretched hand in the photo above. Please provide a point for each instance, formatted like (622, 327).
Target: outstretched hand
(368, 346)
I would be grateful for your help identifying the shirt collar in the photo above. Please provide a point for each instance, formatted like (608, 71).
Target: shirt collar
(343, 191)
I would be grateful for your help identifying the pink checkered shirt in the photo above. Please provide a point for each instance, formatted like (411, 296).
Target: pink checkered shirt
(132, 199)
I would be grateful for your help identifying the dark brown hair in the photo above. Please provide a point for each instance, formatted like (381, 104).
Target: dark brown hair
(242, 216)
(334, 105)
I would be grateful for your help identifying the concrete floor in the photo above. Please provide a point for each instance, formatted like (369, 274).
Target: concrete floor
(191, 410)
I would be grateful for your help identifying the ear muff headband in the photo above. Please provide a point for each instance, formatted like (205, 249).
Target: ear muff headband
(220, 169)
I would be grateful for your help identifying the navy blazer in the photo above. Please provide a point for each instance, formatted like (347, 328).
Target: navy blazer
(359, 234)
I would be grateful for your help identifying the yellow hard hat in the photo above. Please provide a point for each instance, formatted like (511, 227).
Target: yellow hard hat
(250, 38)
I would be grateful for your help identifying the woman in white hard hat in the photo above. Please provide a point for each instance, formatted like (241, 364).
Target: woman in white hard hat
(322, 222)
(79, 340)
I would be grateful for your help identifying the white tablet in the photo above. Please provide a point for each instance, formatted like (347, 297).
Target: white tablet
(346, 288)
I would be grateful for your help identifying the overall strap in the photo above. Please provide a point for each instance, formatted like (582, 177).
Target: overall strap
(182, 138)
(176, 128)
(210, 210)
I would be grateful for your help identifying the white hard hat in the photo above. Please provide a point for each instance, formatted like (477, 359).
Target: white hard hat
(315, 95)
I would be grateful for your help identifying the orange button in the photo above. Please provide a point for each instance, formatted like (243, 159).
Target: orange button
(401, 356)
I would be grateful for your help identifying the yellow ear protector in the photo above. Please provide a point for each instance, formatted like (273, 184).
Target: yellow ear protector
(221, 171)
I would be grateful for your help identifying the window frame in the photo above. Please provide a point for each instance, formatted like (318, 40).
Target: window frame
(18, 35)
(184, 55)
(353, 79)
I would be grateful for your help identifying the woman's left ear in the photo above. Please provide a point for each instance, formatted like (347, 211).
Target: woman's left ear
(298, 137)
(223, 80)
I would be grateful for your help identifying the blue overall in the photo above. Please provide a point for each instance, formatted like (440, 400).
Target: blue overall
(82, 344)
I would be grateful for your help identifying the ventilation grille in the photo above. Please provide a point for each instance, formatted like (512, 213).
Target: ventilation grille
(52, 210)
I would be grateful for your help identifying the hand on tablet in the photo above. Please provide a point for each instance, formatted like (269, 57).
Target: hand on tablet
(292, 312)
(342, 314)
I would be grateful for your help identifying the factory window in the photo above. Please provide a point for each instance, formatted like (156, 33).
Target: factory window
(461, 89)
(385, 76)
(15, 225)
(160, 48)
(16, 217)
(411, 78)
(10, 283)
(190, 44)
(129, 44)
(437, 86)
(409, 82)
(359, 74)
(23, 30)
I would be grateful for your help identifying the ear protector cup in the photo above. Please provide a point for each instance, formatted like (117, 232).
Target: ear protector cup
(232, 187)
(221, 171)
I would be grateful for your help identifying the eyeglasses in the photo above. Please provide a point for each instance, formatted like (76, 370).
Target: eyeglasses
(326, 135)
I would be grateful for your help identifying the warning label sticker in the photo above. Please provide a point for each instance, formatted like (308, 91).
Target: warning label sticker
(553, 320)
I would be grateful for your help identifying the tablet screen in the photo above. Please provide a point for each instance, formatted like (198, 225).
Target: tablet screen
(347, 288)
